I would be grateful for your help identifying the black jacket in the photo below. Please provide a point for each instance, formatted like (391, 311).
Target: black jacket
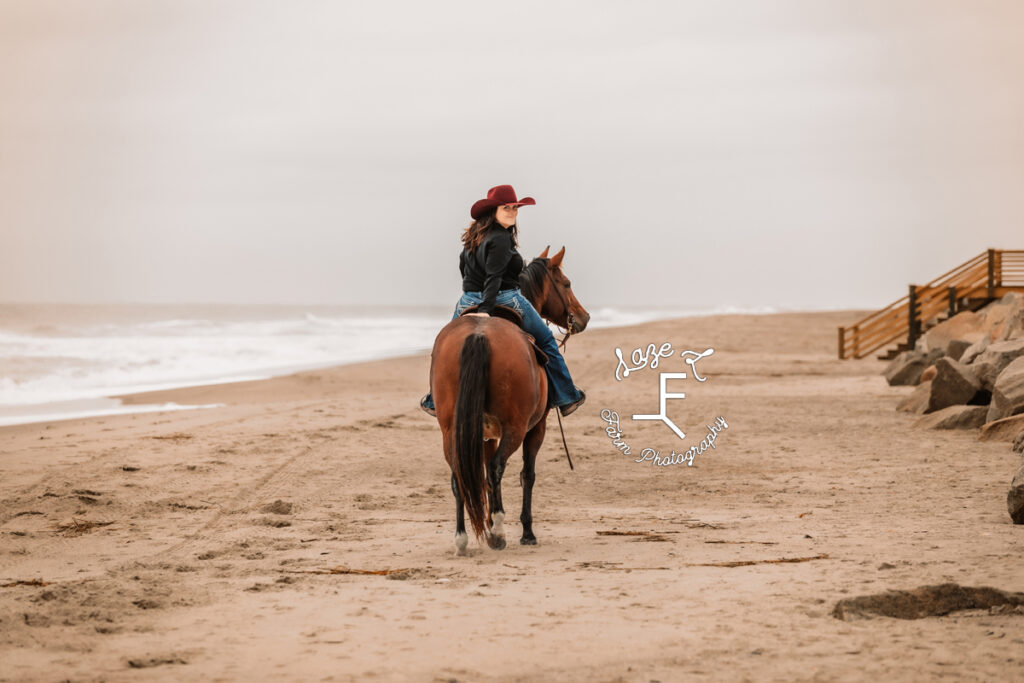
(495, 265)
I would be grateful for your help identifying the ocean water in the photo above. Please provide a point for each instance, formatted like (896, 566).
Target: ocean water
(65, 360)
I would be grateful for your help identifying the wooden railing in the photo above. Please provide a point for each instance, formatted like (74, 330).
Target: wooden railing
(987, 276)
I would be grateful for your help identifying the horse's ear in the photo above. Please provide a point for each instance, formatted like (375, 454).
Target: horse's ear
(556, 260)
(544, 254)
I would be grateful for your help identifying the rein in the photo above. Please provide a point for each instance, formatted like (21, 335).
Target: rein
(558, 414)
(570, 320)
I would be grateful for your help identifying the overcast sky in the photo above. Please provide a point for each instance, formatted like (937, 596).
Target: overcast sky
(691, 154)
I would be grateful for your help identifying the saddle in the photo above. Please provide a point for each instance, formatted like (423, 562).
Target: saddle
(513, 316)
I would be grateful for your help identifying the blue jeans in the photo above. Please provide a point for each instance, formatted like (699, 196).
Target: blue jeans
(561, 390)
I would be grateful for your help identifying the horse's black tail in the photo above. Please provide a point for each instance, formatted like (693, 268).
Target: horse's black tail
(474, 367)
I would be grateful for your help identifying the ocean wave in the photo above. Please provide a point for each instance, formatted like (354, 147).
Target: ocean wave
(619, 317)
(56, 361)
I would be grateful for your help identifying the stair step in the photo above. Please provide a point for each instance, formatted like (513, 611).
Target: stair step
(895, 351)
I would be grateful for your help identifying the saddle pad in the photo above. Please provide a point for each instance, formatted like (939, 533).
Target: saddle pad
(512, 315)
(509, 314)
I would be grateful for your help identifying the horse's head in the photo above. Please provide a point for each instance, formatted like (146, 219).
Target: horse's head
(550, 292)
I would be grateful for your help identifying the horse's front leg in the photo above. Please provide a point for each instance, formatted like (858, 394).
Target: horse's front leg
(531, 446)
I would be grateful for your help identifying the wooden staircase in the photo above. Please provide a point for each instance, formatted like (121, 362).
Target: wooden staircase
(970, 286)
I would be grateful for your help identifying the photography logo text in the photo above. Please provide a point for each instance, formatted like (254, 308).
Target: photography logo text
(650, 357)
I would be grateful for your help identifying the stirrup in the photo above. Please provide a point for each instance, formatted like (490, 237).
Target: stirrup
(569, 409)
(425, 408)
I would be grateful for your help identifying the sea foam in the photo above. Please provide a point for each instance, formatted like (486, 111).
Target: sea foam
(56, 354)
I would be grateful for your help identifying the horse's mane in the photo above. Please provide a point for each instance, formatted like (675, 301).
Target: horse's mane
(531, 279)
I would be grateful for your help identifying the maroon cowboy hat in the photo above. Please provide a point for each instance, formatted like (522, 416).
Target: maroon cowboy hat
(498, 196)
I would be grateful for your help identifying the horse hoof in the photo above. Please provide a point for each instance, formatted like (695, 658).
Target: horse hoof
(496, 542)
(461, 543)
(528, 540)
(498, 524)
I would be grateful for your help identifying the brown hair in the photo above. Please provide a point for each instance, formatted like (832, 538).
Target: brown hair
(473, 235)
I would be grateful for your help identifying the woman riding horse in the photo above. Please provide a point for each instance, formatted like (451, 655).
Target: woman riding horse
(493, 392)
(490, 267)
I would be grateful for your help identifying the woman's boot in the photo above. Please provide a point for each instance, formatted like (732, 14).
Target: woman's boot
(427, 405)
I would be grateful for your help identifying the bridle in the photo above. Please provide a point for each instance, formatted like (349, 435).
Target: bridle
(569, 318)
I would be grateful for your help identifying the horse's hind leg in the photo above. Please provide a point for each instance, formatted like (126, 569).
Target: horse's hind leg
(495, 471)
(461, 538)
(531, 446)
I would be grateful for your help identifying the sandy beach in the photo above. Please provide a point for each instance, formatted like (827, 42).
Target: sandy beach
(198, 545)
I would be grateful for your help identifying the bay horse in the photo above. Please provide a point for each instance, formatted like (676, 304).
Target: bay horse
(489, 404)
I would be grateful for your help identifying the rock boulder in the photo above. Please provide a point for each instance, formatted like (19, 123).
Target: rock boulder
(994, 359)
(1006, 429)
(956, 347)
(1013, 328)
(954, 417)
(1008, 392)
(954, 384)
(974, 350)
(905, 369)
(965, 326)
(1015, 497)
(917, 401)
(996, 315)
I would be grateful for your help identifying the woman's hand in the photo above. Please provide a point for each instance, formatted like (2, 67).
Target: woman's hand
(482, 315)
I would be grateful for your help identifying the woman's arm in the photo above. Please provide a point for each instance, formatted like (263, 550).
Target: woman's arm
(497, 253)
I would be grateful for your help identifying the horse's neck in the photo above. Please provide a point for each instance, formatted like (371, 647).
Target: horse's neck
(535, 285)
(537, 301)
